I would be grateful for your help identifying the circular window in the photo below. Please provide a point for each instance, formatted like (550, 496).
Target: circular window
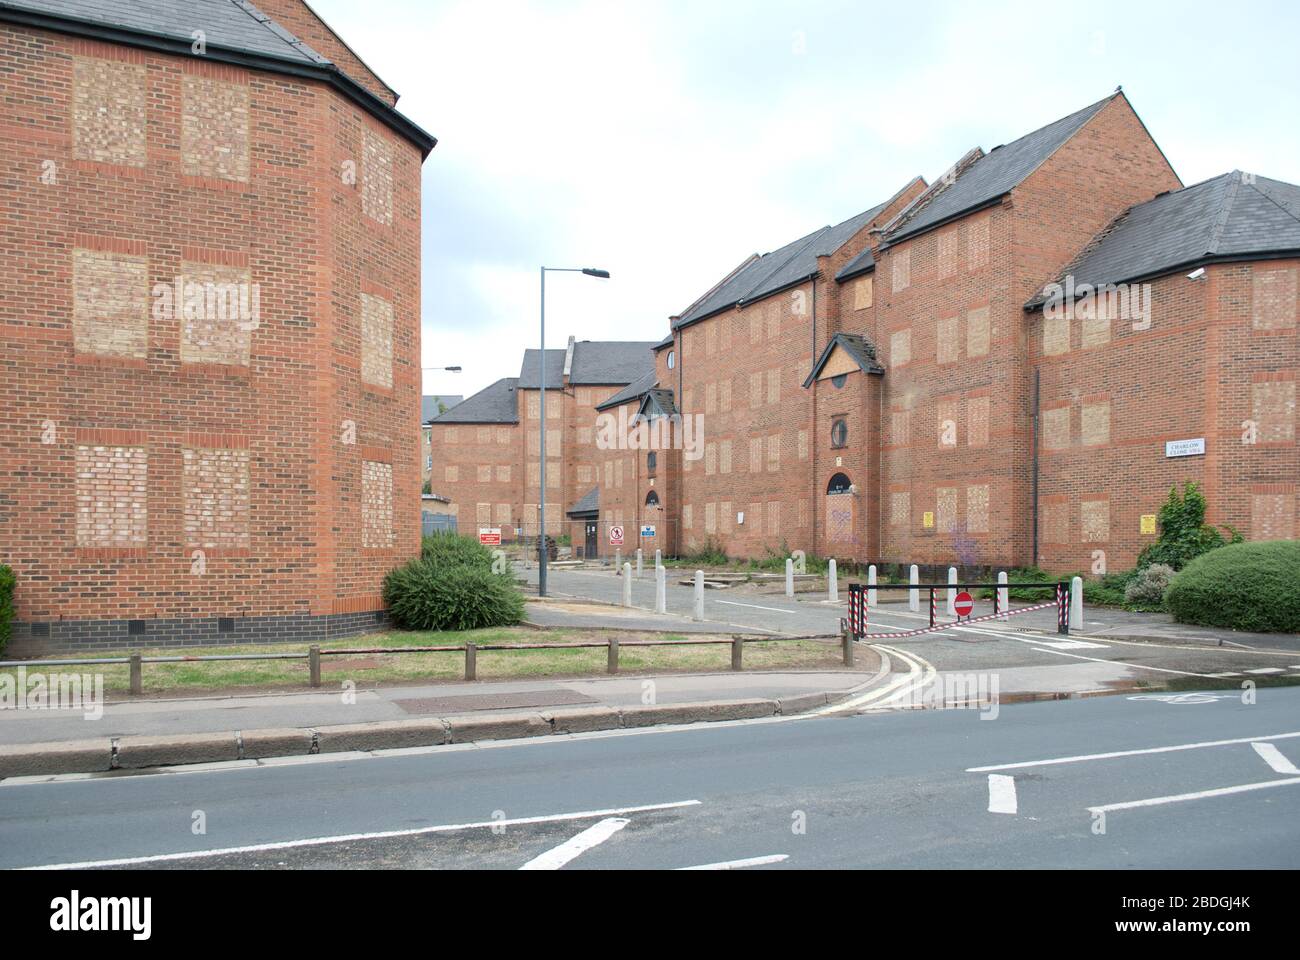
(839, 433)
(838, 382)
(672, 359)
(839, 484)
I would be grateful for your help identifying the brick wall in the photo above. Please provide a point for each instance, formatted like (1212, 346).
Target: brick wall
(160, 453)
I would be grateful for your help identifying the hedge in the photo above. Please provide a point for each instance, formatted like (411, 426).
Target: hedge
(428, 595)
(7, 583)
(1245, 586)
(453, 550)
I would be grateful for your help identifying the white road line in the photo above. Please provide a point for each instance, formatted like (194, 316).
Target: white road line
(576, 846)
(1266, 670)
(740, 864)
(1135, 666)
(1130, 753)
(919, 674)
(1199, 795)
(1274, 758)
(1002, 794)
(353, 837)
(754, 606)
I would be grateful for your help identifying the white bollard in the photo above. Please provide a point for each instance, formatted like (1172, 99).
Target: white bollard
(914, 595)
(659, 559)
(833, 579)
(618, 562)
(789, 577)
(627, 584)
(638, 563)
(699, 595)
(661, 590)
(871, 586)
(1004, 595)
(952, 592)
(1076, 604)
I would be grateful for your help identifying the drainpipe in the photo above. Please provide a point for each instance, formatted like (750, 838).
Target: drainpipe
(812, 416)
(1033, 560)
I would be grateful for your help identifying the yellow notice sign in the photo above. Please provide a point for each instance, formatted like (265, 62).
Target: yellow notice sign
(927, 521)
(1149, 525)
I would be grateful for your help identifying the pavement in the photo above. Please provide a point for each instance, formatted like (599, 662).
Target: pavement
(1119, 782)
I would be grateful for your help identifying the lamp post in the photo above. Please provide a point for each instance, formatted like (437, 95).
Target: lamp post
(541, 429)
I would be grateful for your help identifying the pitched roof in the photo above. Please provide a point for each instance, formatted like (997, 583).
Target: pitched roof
(862, 350)
(494, 404)
(530, 374)
(991, 176)
(864, 262)
(1230, 217)
(633, 391)
(588, 504)
(778, 270)
(429, 406)
(611, 362)
(235, 31)
(662, 400)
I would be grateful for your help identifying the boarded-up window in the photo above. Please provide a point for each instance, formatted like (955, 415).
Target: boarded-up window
(862, 293)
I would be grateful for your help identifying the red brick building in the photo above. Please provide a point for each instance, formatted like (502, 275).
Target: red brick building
(209, 319)
(899, 388)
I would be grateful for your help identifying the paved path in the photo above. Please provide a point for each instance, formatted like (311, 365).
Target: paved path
(1115, 782)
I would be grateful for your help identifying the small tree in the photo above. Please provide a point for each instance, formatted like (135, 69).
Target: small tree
(1184, 534)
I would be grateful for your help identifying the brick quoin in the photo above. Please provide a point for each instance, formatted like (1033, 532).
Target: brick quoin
(285, 449)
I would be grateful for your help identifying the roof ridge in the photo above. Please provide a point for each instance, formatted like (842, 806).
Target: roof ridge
(1269, 197)
(1225, 209)
(281, 33)
(798, 249)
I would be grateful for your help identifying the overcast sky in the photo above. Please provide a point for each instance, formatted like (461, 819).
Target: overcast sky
(666, 141)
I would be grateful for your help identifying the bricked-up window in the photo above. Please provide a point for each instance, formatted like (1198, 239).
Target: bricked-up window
(900, 347)
(947, 346)
(839, 433)
(977, 332)
(484, 473)
(977, 508)
(1095, 431)
(1274, 303)
(214, 128)
(1273, 409)
(376, 505)
(862, 293)
(774, 453)
(108, 111)
(1273, 512)
(1055, 520)
(451, 474)
(902, 260)
(377, 178)
(945, 509)
(112, 497)
(977, 421)
(724, 457)
(977, 243)
(110, 304)
(376, 341)
(1056, 333)
(1095, 516)
(946, 255)
(219, 314)
(217, 498)
(900, 509)
(710, 459)
(1056, 428)
(503, 473)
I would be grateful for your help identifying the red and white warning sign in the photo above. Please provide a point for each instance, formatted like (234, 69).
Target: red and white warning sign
(964, 604)
(616, 536)
(489, 537)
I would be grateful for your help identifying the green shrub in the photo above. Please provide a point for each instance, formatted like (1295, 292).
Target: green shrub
(1108, 590)
(7, 583)
(1244, 586)
(708, 554)
(445, 550)
(427, 595)
(1147, 589)
(1184, 534)
(1028, 594)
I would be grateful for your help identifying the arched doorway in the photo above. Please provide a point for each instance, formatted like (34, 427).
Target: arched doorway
(841, 512)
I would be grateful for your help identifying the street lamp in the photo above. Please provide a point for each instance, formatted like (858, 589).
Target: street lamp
(541, 362)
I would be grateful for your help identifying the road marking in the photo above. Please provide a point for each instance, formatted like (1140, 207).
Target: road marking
(741, 864)
(1186, 698)
(1274, 758)
(1199, 795)
(354, 837)
(1129, 753)
(1002, 794)
(576, 846)
(754, 606)
(1135, 666)
(919, 674)
(1266, 670)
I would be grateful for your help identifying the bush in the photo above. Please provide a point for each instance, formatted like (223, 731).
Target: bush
(1147, 589)
(1109, 590)
(1184, 534)
(445, 550)
(428, 595)
(7, 583)
(1028, 594)
(1245, 586)
(708, 554)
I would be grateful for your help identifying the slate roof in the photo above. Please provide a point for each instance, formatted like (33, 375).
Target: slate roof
(429, 406)
(530, 376)
(588, 504)
(633, 391)
(611, 362)
(992, 176)
(663, 399)
(778, 270)
(856, 346)
(235, 31)
(864, 262)
(494, 404)
(1232, 216)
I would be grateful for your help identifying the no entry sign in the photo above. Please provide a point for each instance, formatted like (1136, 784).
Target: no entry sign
(964, 604)
(616, 536)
